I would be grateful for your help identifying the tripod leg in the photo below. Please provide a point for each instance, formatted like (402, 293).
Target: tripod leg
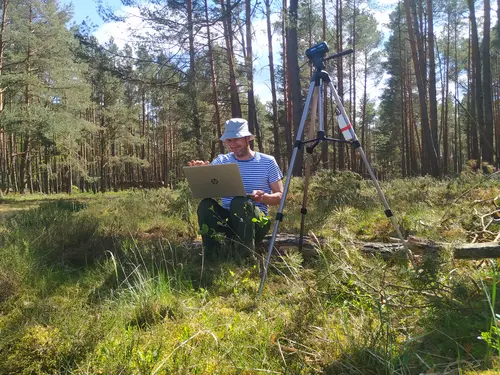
(356, 144)
(279, 215)
(307, 175)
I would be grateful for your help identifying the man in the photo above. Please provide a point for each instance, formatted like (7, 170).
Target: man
(241, 218)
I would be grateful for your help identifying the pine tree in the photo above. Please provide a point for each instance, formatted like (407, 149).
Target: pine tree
(45, 88)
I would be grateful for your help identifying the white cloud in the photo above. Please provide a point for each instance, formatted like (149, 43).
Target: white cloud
(134, 26)
(260, 45)
(382, 17)
(262, 84)
(123, 32)
(387, 2)
(263, 91)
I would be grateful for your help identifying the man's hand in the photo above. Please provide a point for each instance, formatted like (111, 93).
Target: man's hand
(272, 199)
(194, 163)
(258, 195)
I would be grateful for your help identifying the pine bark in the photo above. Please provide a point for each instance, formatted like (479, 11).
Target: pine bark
(435, 153)
(213, 77)
(445, 127)
(287, 118)
(478, 86)
(428, 157)
(233, 87)
(487, 151)
(24, 175)
(324, 145)
(340, 76)
(192, 86)
(274, 102)
(3, 135)
(294, 82)
(252, 112)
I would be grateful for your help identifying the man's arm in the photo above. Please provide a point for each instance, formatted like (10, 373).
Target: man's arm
(272, 199)
(194, 163)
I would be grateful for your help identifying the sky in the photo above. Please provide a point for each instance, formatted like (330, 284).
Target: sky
(86, 10)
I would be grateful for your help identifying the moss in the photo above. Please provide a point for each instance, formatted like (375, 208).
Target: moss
(41, 350)
(137, 306)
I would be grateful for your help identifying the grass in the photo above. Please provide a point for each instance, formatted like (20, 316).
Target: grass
(111, 286)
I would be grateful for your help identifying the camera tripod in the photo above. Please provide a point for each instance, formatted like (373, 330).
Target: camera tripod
(315, 97)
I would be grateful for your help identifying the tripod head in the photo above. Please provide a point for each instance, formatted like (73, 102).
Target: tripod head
(316, 55)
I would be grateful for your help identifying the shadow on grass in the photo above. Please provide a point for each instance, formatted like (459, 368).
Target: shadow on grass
(360, 361)
(453, 334)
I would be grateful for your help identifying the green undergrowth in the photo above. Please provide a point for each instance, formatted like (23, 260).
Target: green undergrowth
(113, 285)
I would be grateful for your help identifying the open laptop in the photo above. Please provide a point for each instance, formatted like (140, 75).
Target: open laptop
(213, 181)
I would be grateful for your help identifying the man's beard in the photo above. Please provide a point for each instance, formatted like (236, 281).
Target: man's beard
(242, 153)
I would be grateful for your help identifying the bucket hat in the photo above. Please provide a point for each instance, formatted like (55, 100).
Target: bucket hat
(236, 128)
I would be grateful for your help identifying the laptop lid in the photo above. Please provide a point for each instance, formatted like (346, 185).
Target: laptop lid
(214, 181)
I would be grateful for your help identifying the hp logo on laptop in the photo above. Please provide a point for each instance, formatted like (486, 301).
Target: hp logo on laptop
(214, 181)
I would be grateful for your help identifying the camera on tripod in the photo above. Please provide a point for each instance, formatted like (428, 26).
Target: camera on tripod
(316, 53)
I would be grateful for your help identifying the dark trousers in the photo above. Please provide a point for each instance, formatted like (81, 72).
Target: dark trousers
(242, 223)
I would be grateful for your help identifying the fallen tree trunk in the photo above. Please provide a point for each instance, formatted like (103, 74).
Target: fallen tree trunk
(424, 247)
(418, 246)
(390, 250)
(285, 241)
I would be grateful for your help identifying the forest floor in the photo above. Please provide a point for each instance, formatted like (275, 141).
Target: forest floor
(93, 285)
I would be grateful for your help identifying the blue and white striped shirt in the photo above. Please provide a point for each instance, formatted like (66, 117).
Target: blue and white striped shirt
(257, 173)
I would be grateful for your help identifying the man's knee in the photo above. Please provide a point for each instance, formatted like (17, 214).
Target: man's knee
(237, 203)
(205, 205)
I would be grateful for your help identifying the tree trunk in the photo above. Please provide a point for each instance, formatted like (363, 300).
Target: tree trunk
(429, 157)
(102, 173)
(424, 247)
(23, 165)
(496, 108)
(143, 138)
(471, 127)
(340, 76)
(287, 118)
(252, 112)
(233, 87)
(435, 154)
(3, 139)
(191, 81)
(353, 83)
(294, 83)
(13, 149)
(446, 77)
(405, 154)
(324, 145)
(274, 103)
(478, 90)
(3, 27)
(415, 146)
(487, 151)
(214, 81)
(457, 153)
(363, 108)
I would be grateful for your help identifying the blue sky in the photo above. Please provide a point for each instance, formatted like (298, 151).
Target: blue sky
(88, 8)
(85, 10)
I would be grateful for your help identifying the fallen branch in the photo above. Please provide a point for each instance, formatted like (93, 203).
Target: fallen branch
(418, 246)
(283, 242)
(421, 247)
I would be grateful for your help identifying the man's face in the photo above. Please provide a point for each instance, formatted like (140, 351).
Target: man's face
(238, 145)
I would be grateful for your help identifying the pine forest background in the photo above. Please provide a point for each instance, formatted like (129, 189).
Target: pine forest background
(75, 113)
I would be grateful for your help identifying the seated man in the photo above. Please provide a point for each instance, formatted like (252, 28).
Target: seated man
(241, 218)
